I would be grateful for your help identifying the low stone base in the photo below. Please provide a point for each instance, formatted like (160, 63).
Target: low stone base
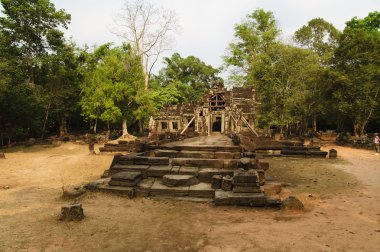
(239, 199)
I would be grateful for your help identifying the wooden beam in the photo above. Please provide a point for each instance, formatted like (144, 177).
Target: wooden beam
(249, 126)
(183, 131)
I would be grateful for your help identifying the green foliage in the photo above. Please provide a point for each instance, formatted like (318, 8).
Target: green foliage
(286, 81)
(254, 36)
(318, 36)
(370, 22)
(189, 76)
(113, 86)
(356, 73)
(33, 27)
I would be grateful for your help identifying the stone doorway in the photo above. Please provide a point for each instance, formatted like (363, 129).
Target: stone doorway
(217, 124)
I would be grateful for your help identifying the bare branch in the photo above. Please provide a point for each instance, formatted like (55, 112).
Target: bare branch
(148, 28)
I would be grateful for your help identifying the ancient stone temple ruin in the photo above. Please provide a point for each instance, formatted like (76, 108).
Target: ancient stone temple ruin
(220, 110)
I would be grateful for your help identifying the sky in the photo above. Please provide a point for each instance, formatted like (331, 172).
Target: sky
(207, 26)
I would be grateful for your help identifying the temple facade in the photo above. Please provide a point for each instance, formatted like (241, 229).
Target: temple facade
(220, 110)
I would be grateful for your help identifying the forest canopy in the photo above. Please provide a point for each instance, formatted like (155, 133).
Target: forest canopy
(324, 79)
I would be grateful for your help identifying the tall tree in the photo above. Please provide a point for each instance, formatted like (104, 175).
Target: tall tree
(320, 36)
(356, 73)
(60, 77)
(33, 27)
(148, 29)
(253, 37)
(116, 81)
(284, 82)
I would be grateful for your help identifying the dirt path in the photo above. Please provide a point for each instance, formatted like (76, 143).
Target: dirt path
(343, 209)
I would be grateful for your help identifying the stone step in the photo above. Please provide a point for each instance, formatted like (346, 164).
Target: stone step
(129, 168)
(211, 148)
(239, 199)
(179, 180)
(197, 154)
(304, 153)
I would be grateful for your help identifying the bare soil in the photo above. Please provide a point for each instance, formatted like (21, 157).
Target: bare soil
(341, 197)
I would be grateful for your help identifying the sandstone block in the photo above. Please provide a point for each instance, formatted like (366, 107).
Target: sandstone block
(179, 180)
(72, 212)
(226, 183)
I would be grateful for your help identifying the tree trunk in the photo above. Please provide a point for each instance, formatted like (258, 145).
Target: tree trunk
(124, 126)
(141, 127)
(45, 121)
(356, 130)
(95, 125)
(315, 122)
(146, 80)
(62, 125)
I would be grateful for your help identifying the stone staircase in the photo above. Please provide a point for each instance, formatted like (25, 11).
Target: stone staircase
(204, 164)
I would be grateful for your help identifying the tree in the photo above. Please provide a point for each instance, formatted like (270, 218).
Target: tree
(355, 75)
(253, 37)
(320, 37)
(115, 83)
(285, 81)
(148, 29)
(189, 75)
(34, 28)
(59, 76)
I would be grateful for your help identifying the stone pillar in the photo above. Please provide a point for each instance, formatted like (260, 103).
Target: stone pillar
(208, 124)
(222, 123)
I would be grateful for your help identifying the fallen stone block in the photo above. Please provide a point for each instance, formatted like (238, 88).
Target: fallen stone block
(332, 153)
(292, 203)
(179, 180)
(72, 212)
(240, 199)
(70, 192)
(94, 185)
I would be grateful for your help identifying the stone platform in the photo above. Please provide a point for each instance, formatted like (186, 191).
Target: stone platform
(187, 171)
